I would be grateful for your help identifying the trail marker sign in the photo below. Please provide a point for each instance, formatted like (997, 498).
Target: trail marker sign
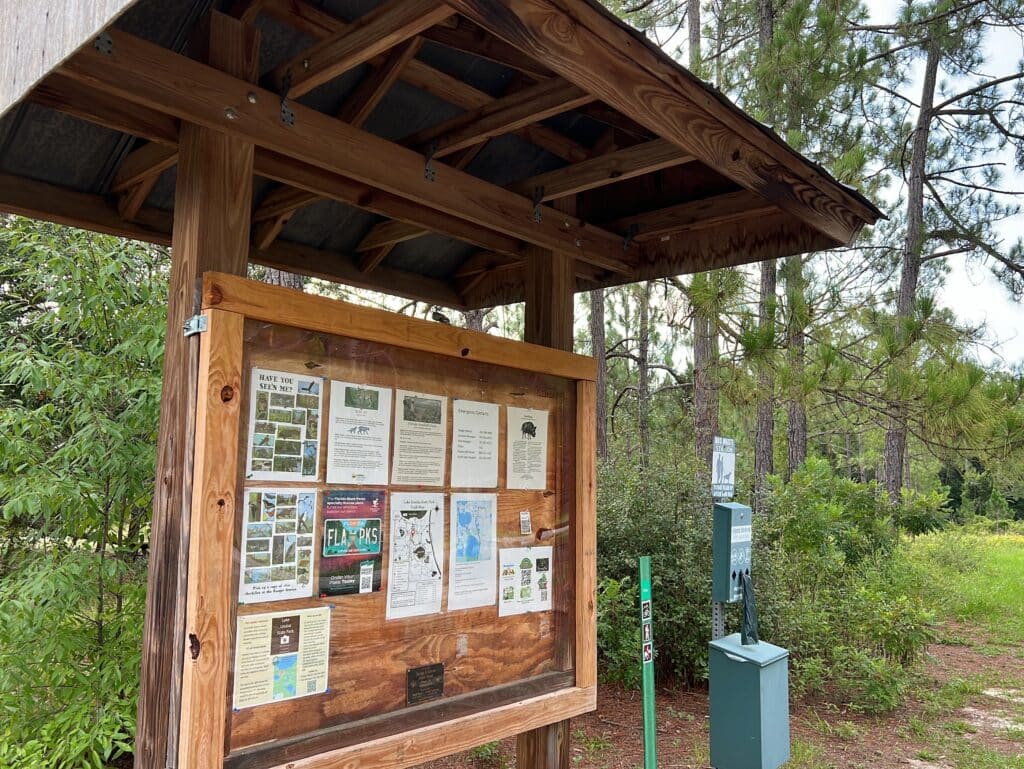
(723, 468)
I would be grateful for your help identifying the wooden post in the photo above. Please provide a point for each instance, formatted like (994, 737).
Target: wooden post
(211, 232)
(550, 290)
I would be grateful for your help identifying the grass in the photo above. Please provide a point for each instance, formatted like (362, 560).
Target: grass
(977, 581)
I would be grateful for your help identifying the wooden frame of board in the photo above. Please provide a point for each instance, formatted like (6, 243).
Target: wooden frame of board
(399, 738)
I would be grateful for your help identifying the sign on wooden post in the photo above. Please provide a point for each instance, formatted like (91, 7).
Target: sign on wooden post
(362, 567)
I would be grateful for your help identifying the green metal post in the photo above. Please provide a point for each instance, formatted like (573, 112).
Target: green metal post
(647, 657)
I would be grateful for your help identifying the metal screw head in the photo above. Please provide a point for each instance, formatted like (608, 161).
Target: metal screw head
(578, 243)
(305, 63)
(230, 113)
(251, 97)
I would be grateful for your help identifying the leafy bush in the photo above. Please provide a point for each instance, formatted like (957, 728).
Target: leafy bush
(919, 513)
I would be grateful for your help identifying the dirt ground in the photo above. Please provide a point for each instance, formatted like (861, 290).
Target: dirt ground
(964, 711)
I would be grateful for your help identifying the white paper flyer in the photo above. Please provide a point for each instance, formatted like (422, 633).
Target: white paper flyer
(421, 423)
(473, 552)
(281, 655)
(284, 426)
(527, 450)
(417, 549)
(474, 444)
(525, 582)
(277, 545)
(359, 437)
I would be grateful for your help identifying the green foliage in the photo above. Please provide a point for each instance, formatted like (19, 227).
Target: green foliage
(618, 630)
(81, 344)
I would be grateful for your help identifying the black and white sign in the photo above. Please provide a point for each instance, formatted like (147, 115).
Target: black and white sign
(723, 468)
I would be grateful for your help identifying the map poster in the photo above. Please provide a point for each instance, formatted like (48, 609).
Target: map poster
(473, 553)
(284, 427)
(277, 545)
(527, 455)
(281, 656)
(421, 424)
(350, 559)
(474, 444)
(359, 437)
(415, 558)
(525, 580)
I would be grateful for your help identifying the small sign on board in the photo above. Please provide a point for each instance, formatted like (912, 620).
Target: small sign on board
(723, 468)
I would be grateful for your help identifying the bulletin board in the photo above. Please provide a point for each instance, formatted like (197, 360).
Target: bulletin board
(392, 536)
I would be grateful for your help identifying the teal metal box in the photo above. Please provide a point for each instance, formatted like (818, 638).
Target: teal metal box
(731, 541)
(749, 704)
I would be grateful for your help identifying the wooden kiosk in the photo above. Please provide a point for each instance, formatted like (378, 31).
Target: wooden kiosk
(465, 153)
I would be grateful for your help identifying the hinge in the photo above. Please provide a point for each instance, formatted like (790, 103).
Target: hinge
(429, 172)
(287, 115)
(538, 198)
(104, 43)
(197, 324)
(631, 233)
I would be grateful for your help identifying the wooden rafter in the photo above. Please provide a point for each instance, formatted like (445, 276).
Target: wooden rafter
(469, 38)
(501, 116)
(605, 169)
(585, 47)
(697, 213)
(375, 33)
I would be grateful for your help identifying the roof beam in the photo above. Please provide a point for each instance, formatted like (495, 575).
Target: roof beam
(693, 214)
(501, 116)
(389, 233)
(469, 38)
(149, 160)
(375, 33)
(584, 45)
(318, 24)
(360, 104)
(605, 169)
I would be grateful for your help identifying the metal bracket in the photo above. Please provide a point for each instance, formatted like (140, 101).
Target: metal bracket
(104, 43)
(538, 198)
(197, 324)
(429, 172)
(631, 233)
(287, 116)
(717, 620)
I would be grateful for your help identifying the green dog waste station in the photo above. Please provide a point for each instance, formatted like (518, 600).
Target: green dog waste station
(749, 704)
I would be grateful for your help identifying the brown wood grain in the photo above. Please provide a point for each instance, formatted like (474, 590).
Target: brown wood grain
(211, 231)
(587, 47)
(585, 529)
(274, 304)
(209, 615)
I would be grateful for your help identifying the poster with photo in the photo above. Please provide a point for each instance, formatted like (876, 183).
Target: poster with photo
(284, 426)
(421, 423)
(359, 438)
(277, 545)
(281, 656)
(524, 582)
(353, 540)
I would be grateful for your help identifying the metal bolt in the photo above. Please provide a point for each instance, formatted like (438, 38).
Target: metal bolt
(579, 243)
(251, 97)
(305, 63)
(230, 113)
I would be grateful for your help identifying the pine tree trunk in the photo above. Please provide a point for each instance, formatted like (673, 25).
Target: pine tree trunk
(764, 440)
(473, 319)
(896, 435)
(796, 432)
(598, 349)
(643, 409)
(284, 278)
(705, 394)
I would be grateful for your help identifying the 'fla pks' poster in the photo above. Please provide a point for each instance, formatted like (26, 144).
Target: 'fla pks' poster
(353, 542)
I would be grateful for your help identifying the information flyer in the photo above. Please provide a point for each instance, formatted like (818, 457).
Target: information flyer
(353, 542)
(474, 444)
(417, 549)
(359, 437)
(421, 423)
(277, 545)
(473, 551)
(527, 449)
(525, 582)
(281, 656)
(284, 426)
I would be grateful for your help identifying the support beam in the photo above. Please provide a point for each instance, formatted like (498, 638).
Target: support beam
(501, 116)
(211, 232)
(586, 47)
(375, 33)
(130, 202)
(358, 107)
(148, 161)
(137, 71)
(698, 213)
(467, 37)
(388, 234)
(605, 169)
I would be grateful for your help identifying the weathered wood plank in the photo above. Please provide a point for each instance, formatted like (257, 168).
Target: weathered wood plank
(271, 303)
(375, 33)
(604, 169)
(156, 78)
(211, 231)
(358, 107)
(698, 213)
(587, 47)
